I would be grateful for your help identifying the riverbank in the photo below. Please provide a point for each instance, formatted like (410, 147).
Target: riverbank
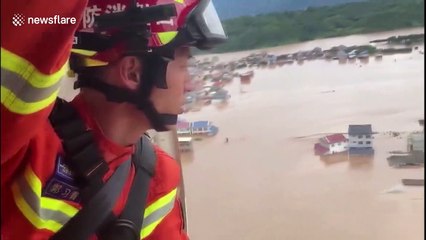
(324, 43)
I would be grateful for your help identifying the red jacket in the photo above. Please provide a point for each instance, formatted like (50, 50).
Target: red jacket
(35, 203)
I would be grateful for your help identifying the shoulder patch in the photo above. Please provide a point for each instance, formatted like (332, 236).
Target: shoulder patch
(62, 184)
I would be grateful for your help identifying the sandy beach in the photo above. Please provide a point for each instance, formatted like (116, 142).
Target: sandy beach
(266, 182)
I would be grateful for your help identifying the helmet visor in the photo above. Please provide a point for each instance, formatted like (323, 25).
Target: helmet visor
(212, 22)
(203, 28)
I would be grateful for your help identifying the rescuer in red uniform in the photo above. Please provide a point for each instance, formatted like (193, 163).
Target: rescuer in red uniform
(131, 71)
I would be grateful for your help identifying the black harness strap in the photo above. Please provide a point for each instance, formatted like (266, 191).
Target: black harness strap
(82, 154)
(85, 160)
(97, 209)
(128, 225)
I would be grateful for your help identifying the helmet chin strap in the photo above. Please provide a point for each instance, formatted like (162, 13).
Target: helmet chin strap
(169, 119)
(157, 120)
(153, 75)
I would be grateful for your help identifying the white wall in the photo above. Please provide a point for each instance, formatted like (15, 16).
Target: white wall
(200, 130)
(354, 141)
(338, 147)
(184, 131)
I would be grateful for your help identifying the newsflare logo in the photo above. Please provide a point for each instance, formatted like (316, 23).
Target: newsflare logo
(19, 20)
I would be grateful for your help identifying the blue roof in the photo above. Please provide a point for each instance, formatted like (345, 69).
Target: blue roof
(201, 124)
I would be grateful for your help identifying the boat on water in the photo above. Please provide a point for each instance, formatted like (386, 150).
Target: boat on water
(413, 182)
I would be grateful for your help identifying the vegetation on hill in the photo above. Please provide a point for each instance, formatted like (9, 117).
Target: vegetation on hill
(237, 8)
(276, 29)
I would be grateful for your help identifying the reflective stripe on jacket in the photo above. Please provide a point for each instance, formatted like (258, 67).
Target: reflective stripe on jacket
(35, 201)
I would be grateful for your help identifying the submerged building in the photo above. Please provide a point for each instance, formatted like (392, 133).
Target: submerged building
(360, 139)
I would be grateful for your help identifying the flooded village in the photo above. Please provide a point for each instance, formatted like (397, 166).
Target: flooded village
(315, 139)
(209, 77)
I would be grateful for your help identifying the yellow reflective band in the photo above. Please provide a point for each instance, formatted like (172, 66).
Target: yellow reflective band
(164, 203)
(146, 231)
(41, 212)
(84, 52)
(160, 202)
(88, 62)
(166, 37)
(47, 203)
(180, 1)
(29, 72)
(22, 89)
(16, 105)
(30, 214)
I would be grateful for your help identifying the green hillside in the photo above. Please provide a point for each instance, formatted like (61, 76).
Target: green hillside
(353, 18)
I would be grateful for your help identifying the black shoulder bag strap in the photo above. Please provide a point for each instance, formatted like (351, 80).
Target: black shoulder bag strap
(96, 210)
(128, 226)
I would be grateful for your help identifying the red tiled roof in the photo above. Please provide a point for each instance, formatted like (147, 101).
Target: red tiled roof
(183, 125)
(335, 138)
(319, 149)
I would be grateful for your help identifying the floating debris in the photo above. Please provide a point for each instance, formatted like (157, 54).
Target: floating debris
(399, 188)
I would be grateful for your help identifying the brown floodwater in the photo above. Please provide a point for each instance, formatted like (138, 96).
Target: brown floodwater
(266, 183)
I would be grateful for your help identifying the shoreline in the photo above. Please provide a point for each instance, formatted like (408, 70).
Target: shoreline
(308, 45)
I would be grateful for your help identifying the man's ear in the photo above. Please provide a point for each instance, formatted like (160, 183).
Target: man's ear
(130, 72)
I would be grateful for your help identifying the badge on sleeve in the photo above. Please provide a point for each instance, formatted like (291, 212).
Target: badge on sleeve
(62, 184)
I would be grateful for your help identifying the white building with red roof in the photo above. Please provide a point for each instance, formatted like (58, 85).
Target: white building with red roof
(183, 127)
(331, 144)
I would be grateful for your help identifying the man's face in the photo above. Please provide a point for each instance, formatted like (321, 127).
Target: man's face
(171, 100)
